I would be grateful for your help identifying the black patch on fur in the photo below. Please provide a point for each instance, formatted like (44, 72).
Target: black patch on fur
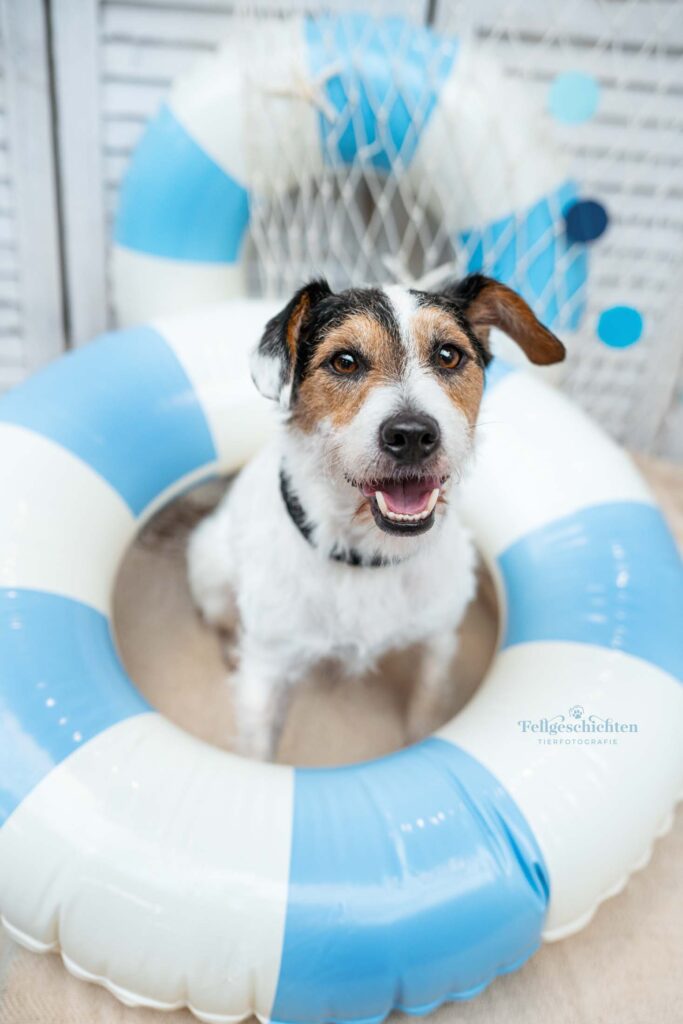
(294, 507)
(305, 528)
(274, 342)
(332, 311)
(326, 309)
(455, 300)
(353, 558)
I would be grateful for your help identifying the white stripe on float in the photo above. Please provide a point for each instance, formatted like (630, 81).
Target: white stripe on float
(464, 124)
(147, 285)
(213, 346)
(177, 489)
(255, 125)
(539, 458)
(63, 528)
(594, 809)
(160, 863)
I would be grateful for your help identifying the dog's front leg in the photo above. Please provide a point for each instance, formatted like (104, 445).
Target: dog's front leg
(211, 570)
(432, 695)
(261, 690)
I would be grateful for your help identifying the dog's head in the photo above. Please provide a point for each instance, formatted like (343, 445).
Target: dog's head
(387, 383)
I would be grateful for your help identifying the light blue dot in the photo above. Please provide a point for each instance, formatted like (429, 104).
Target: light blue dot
(620, 326)
(574, 97)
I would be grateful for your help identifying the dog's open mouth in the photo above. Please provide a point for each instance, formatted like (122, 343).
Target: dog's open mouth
(403, 506)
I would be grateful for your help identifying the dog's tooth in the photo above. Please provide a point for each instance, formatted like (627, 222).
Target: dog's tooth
(401, 517)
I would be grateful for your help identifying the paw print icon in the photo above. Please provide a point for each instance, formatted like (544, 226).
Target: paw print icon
(576, 711)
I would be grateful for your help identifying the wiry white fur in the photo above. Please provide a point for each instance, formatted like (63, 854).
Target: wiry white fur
(404, 305)
(297, 606)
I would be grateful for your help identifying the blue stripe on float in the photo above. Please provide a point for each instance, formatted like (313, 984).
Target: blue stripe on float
(176, 202)
(124, 405)
(368, 81)
(413, 879)
(530, 251)
(609, 575)
(61, 683)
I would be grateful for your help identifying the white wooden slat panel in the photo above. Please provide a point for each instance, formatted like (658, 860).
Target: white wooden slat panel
(8, 228)
(9, 288)
(75, 41)
(9, 264)
(10, 376)
(413, 9)
(626, 25)
(629, 156)
(31, 316)
(179, 25)
(121, 99)
(146, 60)
(143, 45)
(123, 132)
(670, 440)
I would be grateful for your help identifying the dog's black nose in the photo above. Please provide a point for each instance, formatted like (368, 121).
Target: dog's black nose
(409, 437)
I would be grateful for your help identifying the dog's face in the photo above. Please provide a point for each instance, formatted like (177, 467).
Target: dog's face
(387, 384)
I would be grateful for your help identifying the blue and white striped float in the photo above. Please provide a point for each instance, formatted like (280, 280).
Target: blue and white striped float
(177, 874)
(281, 103)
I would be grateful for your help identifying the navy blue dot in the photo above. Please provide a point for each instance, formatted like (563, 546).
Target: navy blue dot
(586, 220)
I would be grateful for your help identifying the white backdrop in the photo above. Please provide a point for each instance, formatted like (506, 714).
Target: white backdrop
(87, 76)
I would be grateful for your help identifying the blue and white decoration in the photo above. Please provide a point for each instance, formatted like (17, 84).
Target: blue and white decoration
(177, 874)
(330, 91)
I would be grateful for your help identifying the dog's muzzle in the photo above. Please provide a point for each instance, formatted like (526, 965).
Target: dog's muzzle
(409, 438)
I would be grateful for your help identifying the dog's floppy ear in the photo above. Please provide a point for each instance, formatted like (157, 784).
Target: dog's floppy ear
(274, 360)
(487, 303)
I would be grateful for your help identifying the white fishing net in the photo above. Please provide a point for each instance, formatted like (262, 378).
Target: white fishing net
(530, 94)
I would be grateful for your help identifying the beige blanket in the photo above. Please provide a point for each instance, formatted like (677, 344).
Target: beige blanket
(626, 967)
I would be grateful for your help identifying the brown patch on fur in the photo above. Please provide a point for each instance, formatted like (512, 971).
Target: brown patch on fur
(294, 325)
(498, 306)
(465, 386)
(324, 396)
(364, 513)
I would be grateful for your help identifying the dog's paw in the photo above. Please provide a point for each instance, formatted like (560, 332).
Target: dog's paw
(255, 744)
(231, 651)
(208, 575)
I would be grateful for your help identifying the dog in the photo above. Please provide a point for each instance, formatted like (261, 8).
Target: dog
(341, 539)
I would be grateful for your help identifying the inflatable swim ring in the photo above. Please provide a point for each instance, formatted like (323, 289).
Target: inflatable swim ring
(281, 102)
(177, 874)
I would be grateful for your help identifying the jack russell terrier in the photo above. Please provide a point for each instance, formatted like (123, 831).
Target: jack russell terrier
(340, 540)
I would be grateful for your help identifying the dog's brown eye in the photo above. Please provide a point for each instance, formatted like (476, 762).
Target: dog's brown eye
(447, 357)
(344, 362)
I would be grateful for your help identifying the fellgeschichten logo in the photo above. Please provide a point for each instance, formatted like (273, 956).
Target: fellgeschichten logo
(575, 727)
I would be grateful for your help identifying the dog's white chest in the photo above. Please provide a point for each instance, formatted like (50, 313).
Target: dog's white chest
(298, 607)
(307, 608)
(358, 614)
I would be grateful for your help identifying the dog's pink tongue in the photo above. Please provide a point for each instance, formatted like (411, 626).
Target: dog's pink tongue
(409, 496)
